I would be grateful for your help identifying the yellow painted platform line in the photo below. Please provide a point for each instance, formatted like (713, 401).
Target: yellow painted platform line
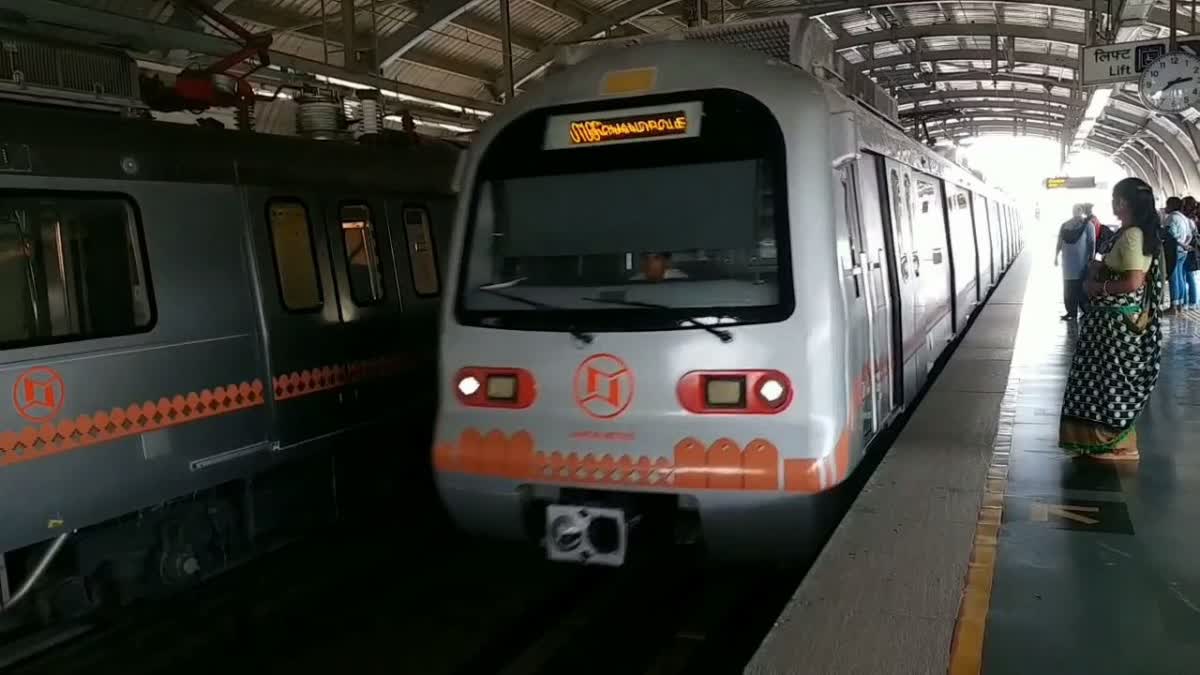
(966, 651)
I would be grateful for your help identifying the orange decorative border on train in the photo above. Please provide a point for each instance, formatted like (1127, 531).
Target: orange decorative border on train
(721, 465)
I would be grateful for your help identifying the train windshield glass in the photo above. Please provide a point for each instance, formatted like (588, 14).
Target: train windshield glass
(634, 235)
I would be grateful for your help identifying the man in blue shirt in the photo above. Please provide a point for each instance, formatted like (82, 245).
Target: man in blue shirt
(1179, 227)
(1076, 248)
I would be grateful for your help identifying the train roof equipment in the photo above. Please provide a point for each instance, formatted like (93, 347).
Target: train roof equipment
(792, 38)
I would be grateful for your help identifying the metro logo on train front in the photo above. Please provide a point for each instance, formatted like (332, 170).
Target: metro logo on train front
(603, 386)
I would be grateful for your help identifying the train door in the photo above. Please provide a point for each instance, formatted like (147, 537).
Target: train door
(370, 305)
(983, 240)
(963, 255)
(904, 252)
(1014, 234)
(997, 227)
(855, 293)
(882, 286)
(1004, 238)
(301, 314)
(417, 252)
(935, 322)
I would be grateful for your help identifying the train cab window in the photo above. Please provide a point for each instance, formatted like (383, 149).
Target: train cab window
(295, 260)
(72, 266)
(421, 255)
(617, 236)
(362, 254)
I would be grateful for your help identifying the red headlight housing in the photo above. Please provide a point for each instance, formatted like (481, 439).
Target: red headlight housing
(734, 392)
(487, 387)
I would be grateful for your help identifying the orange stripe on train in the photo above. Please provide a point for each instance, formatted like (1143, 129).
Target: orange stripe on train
(324, 378)
(38, 441)
(722, 465)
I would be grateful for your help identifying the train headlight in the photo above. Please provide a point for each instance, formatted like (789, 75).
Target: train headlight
(725, 392)
(495, 387)
(468, 385)
(734, 392)
(772, 391)
(502, 387)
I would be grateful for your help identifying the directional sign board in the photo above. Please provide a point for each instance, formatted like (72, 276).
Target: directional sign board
(1072, 182)
(1124, 61)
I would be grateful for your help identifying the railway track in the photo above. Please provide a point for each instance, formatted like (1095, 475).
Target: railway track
(667, 615)
(438, 603)
(290, 612)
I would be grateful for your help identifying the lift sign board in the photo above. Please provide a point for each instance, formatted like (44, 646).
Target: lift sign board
(1125, 61)
(629, 125)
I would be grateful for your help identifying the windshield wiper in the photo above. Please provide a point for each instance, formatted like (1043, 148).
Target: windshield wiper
(722, 334)
(502, 284)
(585, 338)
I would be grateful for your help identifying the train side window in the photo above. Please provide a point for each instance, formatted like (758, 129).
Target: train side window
(295, 259)
(897, 208)
(421, 256)
(73, 267)
(362, 254)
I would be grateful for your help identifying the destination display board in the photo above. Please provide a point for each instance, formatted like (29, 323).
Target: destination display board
(1070, 182)
(1124, 61)
(627, 125)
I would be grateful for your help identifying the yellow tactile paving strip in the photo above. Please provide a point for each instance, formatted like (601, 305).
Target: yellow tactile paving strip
(966, 651)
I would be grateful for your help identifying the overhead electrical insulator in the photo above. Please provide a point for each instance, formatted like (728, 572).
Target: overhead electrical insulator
(214, 86)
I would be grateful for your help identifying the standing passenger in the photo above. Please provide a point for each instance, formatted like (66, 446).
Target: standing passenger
(1191, 263)
(1076, 246)
(1116, 361)
(1087, 213)
(1179, 228)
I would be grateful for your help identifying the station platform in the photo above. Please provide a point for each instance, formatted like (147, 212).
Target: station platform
(977, 546)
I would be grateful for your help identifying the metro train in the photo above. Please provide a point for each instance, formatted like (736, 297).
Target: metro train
(212, 342)
(691, 282)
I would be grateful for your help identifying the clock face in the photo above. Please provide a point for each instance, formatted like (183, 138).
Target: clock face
(1171, 83)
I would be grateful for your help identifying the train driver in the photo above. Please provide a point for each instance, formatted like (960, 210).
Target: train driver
(657, 267)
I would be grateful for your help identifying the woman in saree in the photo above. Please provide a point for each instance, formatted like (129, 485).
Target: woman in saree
(1116, 361)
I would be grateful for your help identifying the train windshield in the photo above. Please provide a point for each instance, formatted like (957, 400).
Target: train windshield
(647, 233)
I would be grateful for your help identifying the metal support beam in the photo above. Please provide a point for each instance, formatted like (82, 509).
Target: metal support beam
(1009, 30)
(1172, 150)
(1018, 58)
(53, 16)
(1153, 16)
(904, 79)
(1006, 120)
(506, 47)
(349, 41)
(1007, 106)
(433, 16)
(528, 68)
(1000, 95)
(1136, 162)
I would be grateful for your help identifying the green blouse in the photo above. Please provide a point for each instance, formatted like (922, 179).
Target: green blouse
(1126, 255)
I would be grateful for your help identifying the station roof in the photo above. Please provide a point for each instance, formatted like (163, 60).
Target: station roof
(957, 68)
